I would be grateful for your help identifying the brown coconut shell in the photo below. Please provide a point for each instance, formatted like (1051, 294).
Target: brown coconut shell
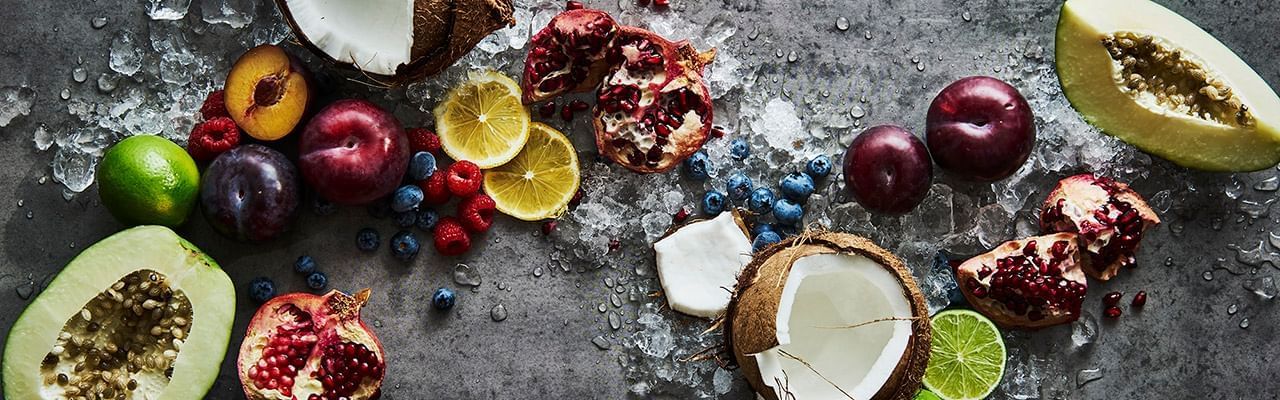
(750, 325)
(443, 31)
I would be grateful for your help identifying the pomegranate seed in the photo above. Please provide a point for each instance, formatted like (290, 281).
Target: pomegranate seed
(661, 3)
(573, 5)
(614, 244)
(1139, 299)
(566, 113)
(1113, 312)
(1111, 299)
(547, 109)
(579, 105)
(548, 227)
(681, 215)
(717, 131)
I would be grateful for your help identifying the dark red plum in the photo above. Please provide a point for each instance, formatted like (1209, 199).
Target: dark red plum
(353, 152)
(887, 169)
(250, 193)
(980, 128)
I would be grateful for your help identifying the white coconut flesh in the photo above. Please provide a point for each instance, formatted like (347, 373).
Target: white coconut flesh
(374, 35)
(824, 299)
(699, 264)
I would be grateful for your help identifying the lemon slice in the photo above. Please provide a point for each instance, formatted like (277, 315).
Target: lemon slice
(540, 181)
(483, 120)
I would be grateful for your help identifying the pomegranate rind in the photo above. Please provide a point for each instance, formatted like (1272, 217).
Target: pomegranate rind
(684, 73)
(750, 324)
(561, 24)
(1081, 195)
(336, 317)
(968, 271)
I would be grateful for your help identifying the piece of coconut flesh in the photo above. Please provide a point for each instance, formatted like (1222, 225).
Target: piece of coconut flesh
(824, 296)
(374, 35)
(699, 263)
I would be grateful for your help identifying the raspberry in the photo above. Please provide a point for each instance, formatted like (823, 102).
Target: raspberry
(464, 179)
(450, 238)
(214, 106)
(434, 190)
(424, 140)
(210, 138)
(476, 213)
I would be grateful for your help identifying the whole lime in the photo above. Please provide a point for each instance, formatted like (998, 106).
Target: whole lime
(148, 180)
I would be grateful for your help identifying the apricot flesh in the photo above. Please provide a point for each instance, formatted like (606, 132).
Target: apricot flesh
(267, 92)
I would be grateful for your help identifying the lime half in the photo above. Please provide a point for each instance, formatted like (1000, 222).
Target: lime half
(967, 359)
(926, 395)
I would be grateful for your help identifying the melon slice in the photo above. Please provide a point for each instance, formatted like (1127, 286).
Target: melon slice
(142, 314)
(1150, 77)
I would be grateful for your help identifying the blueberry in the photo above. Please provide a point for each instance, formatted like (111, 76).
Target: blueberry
(443, 299)
(796, 186)
(818, 167)
(404, 245)
(787, 212)
(406, 198)
(761, 201)
(317, 280)
(698, 166)
(304, 265)
(406, 219)
(322, 207)
(738, 149)
(262, 289)
(427, 219)
(762, 227)
(738, 186)
(765, 239)
(422, 166)
(367, 239)
(713, 203)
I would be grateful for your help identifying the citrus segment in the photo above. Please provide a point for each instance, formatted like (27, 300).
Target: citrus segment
(540, 181)
(967, 358)
(483, 120)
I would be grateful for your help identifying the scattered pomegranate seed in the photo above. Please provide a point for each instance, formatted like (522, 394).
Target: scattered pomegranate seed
(717, 131)
(681, 215)
(661, 3)
(1111, 299)
(566, 113)
(573, 5)
(579, 105)
(577, 198)
(1113, 312)
(1139, 299)
(614, 244)
(546, 110)
(548, 227)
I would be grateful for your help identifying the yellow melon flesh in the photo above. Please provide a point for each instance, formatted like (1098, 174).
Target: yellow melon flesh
(1094, 83)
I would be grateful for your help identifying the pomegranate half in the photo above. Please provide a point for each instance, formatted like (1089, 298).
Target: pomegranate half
(1029, 283)
(1109, 216)
(305, 346)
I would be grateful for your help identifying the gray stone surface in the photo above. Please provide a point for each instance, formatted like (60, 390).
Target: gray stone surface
(1185, 344)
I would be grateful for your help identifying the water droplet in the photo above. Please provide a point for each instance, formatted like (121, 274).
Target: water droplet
(778, 53)
(1208, 275)
(498, 313)
(19, 202)
(602, 308)
(862, 99)
(1234, 188)
(608, 281)
(826, 93)
(755, 33)
(966, 16)
(25, 290)
(1088, 375)
(1267, 185)
(537, 272)
(601, 343)
(79, 74)
(792, 57)
(857, 112)
(842, 24)
(1232, 309)
(615, 321)
(98, 22)
(464, 275)
(1168, 261)
(1244, 323)
(920, 67)
(502, 286)
(42, 180)
(867, 35)
(30, 215)
(615, 300)
(65, 94)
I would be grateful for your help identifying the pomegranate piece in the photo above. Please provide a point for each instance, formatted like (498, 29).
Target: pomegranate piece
(568, 55)
(653, 109)
(1109, 217)
(1139, 299)
(305, 346)
(1027, 284)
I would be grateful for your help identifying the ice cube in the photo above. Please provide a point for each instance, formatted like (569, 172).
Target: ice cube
(781, 128)
(1264, 287)
(235, 13)
(722, 381)
(126, 58)
(655, 224)
(1085, 330)
(74, 168)
(995, 225)
(167, 9)
(15, 101)
(43, 138)
(655, 340)
(939, 283)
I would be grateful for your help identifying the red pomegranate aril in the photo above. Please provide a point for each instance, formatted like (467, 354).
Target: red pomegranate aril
(573, 5)
(1111, 299)
(546, 110)
(1139, 299)
(661, 3)
(681, 215)
(1112, 312)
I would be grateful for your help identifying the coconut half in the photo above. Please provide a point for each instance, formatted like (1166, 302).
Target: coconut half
(398, 40)
(829, 316)
(698, 264)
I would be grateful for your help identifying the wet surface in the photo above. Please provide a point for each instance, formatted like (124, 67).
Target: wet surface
(563, 316)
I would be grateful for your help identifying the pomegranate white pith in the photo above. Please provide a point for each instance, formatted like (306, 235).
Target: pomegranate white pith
(303, 346)
(1028, 283)
(1109, 216)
